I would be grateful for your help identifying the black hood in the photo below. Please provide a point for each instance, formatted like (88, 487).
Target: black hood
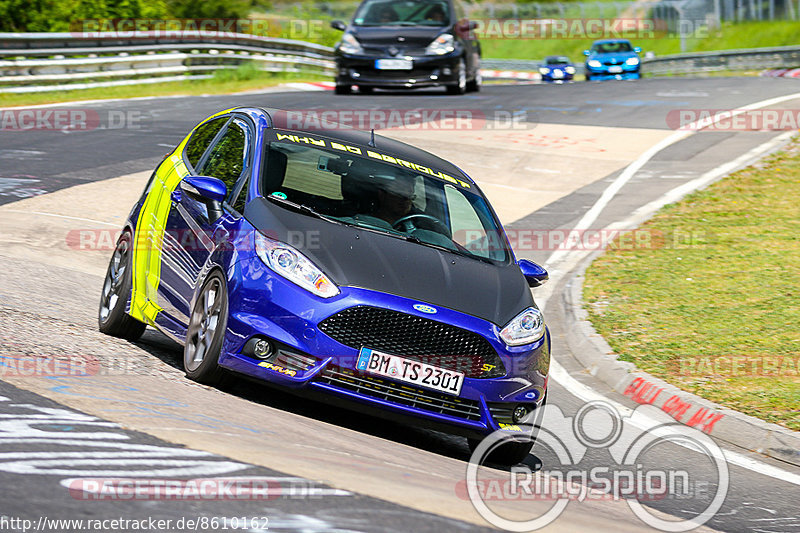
(367, 259)
(400, 37)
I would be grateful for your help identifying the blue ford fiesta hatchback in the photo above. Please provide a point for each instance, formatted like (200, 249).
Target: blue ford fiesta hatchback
(334, 263)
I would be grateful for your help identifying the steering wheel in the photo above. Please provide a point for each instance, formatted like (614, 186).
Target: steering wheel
(408, 227)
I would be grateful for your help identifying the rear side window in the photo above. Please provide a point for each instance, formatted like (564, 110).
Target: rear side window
(201, 138)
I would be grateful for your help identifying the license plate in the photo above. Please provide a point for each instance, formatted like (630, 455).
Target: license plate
(615, 70)
(394, 64)
(409, 371)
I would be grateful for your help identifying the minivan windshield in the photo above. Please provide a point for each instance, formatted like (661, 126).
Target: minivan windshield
(406, 203)
(402, 13)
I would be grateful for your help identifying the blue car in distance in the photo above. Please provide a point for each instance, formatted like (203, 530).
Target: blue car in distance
(334, 263)
(613, 59)
(557, 69)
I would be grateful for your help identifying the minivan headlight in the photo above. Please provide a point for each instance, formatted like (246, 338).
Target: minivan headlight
(525, 328)
(350, 45)
(443, 44)
(286, 261)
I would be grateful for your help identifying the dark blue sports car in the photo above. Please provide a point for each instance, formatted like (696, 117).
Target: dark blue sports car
(612, 59)
(557, 69)
(337, 263)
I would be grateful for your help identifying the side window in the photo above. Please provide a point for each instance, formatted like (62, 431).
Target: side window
(228, 157)
(201, 138)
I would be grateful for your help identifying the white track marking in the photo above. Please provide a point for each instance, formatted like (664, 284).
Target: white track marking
(611, 191)
(571, 258)
(587, 394)
(60, 216)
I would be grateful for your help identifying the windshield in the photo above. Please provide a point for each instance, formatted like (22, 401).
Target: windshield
(402, 13)
(554, 60)
(612, 48)
(379, 196)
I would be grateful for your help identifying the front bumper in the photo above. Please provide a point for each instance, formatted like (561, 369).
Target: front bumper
(309, 361)
(604, 72)
(427, 71)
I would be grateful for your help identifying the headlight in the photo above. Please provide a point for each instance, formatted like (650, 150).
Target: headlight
(594, 63)
(632, 61)
(443, 44)
(350, 44)
(544, 71)
(525, 328)
(294, 266)
(570, 70)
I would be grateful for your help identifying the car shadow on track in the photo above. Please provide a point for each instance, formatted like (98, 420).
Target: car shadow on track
(171, 353)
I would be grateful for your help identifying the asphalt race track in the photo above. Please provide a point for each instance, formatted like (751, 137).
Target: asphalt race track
(330, 469)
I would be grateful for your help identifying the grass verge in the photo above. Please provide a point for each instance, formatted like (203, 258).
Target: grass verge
(713, 307)
(244, 78)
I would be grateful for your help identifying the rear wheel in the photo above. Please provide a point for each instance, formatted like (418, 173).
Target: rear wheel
(206, 332)
(111, 317)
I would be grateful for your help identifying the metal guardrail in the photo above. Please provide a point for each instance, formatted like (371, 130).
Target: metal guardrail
(34, 62)
(748, 59)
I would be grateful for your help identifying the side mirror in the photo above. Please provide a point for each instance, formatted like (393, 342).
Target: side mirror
(211, 191)
(637, 49)
(534, 274)
(586, 52)
(338, 25)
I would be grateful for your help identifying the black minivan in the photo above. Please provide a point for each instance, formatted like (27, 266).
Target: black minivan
(405, 44)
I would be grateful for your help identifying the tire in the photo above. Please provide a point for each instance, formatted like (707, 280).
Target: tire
(460, 87)
(508, 454)
(365, 90)
(343, 89)
(475, 85)
(111, 316)
(206, 332)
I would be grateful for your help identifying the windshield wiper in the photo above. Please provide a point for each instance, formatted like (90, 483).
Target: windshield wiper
(457, 250)
(301, 208)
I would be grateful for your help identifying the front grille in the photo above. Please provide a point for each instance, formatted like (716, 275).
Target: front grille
(416, 338)
(399, 393)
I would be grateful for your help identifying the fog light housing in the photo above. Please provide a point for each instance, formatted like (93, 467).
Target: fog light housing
(520, 412)
(262, 348)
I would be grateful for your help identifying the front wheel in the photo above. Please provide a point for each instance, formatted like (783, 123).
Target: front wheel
(475, 85)
(111, 317)
(343, 89)
(206, 332)
(507, 454)
(460, 86)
